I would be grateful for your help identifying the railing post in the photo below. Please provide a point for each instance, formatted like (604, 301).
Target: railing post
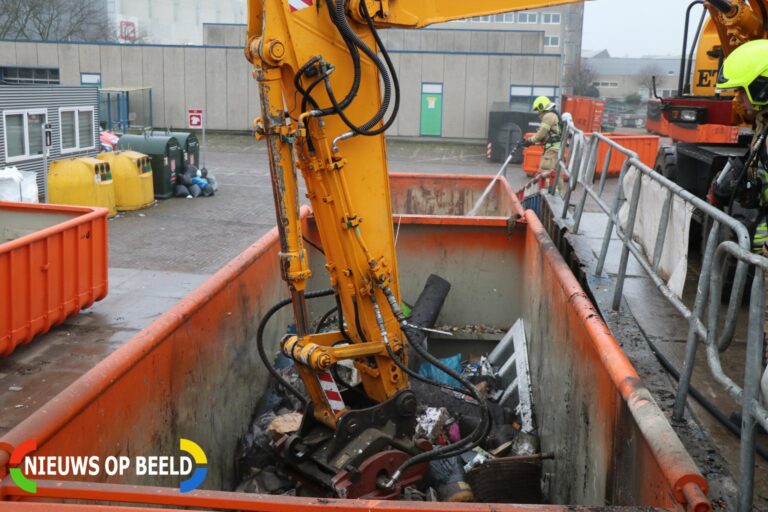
(702, 292)
(573, 177)
(752, 374)
(606, 166)
(591, 168)
(661, 236)
(628, 233)
(614, 213)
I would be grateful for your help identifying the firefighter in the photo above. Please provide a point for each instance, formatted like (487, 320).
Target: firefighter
(549, 133)
(746, 71)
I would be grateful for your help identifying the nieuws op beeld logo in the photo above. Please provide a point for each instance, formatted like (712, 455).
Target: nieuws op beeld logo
(25, 467)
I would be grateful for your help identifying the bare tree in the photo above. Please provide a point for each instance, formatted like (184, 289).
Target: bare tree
(583, 81)
(14, 15)
(645, 78)
(60, 20)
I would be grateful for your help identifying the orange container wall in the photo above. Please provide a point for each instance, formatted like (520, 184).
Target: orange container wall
(54, 265)
(646, 147)
(194, 373)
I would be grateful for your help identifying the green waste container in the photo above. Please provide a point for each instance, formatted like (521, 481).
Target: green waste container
(167, 158)
(189, 143)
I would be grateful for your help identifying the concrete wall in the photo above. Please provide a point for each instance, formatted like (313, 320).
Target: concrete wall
(475, 67)
(213, 78)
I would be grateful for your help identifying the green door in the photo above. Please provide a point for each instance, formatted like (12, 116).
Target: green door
(432, 110)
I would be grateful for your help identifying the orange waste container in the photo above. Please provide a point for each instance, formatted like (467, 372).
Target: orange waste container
(55, 258)
(646, 147)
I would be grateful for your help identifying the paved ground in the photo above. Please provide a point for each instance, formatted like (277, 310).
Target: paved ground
(160, 254)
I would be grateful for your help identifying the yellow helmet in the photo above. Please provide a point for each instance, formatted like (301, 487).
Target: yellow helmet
(542, 103)
(747, 67)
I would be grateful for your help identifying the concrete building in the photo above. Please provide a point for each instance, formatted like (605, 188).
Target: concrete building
(468, 71)
(562, 26)
(451, 76)
(170, 21)
(616, 78)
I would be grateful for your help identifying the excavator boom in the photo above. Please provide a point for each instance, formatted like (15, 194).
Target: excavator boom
(320, 66)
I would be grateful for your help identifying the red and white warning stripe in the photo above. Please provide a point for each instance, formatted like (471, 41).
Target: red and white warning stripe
(297, 5)
(331, 391)
(489, 150)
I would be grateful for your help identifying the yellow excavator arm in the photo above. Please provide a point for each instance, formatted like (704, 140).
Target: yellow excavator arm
(729, 24)
(319, 64)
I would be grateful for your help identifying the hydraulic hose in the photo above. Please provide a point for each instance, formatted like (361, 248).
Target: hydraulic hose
(350, 36)
(696, 394)
(468, 443)
(260, 341)
(324, 319)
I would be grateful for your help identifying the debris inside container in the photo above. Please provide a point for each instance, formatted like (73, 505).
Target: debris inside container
(505, 467)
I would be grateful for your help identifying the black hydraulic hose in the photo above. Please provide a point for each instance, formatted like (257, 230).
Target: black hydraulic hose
(324, 319)
(689, 70)
(390, 66)
(348, 34)
(696, 394)
(681, 80)
(260, 341)
(764, 13)
(297, 83)
(342, 329)
(358, 326)
(468, 443)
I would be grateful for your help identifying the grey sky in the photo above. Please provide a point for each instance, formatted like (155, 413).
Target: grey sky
(636, 27)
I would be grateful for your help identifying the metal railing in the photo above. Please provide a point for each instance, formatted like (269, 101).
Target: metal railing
(577, 165)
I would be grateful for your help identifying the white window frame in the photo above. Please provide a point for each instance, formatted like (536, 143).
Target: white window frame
(528, 16)
(551, 18)
(25, 113)
(551, 38)
(78, 148)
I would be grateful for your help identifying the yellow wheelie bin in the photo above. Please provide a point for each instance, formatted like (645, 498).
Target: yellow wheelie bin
(132, 174)
(82, 182)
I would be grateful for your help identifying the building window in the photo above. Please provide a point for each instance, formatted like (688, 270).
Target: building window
(527, 17)
(509, 17)
(76, 129)
(606, 85)
(91, 79)
(550, 18)
(551, 42)
(498, 18)
(29, 76)
(23, 130)
(522, 96)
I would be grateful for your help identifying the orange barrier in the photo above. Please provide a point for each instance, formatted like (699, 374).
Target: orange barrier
(646, 147)
(193, 373)
(54, 265)
(587, 113)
